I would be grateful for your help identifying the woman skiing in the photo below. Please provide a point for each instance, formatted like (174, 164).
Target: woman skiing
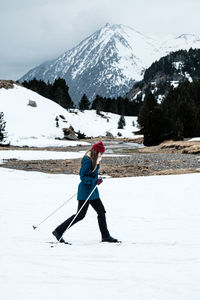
(89, 179)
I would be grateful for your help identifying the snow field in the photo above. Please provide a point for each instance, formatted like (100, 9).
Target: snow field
(44, 155)
(38, 155)
(36, 126)
(156, 217)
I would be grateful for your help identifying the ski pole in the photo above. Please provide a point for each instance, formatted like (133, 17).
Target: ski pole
(76, 214)
(35, 227)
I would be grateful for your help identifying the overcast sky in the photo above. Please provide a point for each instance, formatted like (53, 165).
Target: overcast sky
(33, 31)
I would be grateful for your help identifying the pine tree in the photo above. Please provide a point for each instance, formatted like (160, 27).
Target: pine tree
(121, 122)
(148, 106)
(111, 105)
(155, 127)
(98, 104)
(120, 106)
(178, 130)
(95, 102)
(84, 103)
(3, 134)
(181, 106)
(61, 95)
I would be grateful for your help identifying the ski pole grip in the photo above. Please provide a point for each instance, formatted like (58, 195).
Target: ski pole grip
(99, 181)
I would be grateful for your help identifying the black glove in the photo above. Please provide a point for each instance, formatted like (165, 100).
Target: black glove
(99, 181)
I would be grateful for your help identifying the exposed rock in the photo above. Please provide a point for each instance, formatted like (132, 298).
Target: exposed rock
(109, 134)
(62, 117)
(32, 103)
(6, 84)
(69, 133)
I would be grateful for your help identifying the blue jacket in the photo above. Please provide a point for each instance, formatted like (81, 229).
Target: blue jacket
(88, 180)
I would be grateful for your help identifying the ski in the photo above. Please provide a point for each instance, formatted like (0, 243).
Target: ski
(110, 243)
(54, 243)
(84, 244)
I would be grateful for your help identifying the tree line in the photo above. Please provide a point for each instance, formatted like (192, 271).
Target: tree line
(186, 61)
(59, 92)
(171, 69)
(177, 117)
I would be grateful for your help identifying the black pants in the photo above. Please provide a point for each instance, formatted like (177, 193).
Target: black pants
(98, 207)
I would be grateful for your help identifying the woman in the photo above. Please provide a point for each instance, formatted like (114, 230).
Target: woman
(89, 179)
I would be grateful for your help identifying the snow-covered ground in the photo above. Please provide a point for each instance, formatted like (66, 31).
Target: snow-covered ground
(38, 155)
(157, 218)
(28, 125)
(43, 155)
(45, 142)
(196, 139)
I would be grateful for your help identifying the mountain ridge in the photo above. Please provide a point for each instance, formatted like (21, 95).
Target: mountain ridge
(107, 62)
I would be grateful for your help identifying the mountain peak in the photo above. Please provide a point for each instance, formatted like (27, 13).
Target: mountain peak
(110, 28)
(107, 25)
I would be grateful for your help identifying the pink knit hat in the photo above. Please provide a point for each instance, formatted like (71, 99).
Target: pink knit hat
(99, 147)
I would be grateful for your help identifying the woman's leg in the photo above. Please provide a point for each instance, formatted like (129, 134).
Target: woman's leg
(101, 216)
(62, 227)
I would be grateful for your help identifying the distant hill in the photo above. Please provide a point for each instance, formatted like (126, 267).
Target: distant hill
(29, 115)
(169, 71)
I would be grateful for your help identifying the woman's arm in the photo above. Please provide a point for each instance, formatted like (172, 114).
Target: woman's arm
(86, 172)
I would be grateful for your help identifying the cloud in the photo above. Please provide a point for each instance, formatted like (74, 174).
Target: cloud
(35, 31)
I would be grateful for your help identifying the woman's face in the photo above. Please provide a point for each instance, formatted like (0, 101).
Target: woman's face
(100, 154)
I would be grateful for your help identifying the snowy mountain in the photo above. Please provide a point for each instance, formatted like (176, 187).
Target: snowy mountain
(183, 41)
(109, 61)
(31, 116)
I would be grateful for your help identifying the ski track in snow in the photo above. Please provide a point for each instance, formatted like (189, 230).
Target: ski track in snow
(157, 218)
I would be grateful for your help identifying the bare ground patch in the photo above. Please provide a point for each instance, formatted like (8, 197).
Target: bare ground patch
(183, 147)
(165, 159)
(108, 167)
